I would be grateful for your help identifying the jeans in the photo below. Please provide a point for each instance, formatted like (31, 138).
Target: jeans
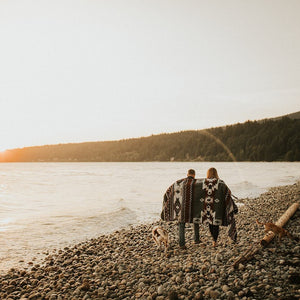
(181, 227)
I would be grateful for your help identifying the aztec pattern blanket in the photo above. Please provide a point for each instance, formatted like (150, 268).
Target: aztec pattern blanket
(177, 203)
(214, 205)
(203, 201)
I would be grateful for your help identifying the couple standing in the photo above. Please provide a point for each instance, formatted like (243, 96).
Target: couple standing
(200, 201)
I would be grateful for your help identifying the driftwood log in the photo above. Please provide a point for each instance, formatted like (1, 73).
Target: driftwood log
(249, 254)
(280, 223)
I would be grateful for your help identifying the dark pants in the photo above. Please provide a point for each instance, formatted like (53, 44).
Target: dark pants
(214, 230)
(181, 227)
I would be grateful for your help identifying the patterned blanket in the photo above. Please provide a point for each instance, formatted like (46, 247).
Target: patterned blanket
(204, 201)
(177, 203)
(214, 205)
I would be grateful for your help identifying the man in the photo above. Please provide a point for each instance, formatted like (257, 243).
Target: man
(178, 205)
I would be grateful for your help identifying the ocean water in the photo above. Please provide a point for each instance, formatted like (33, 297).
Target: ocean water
(52, 205)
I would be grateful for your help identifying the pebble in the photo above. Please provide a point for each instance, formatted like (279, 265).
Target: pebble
(225, 288)
(214, 294)
(241, 293)
(160, 290)
(126, 264)
(230, 295)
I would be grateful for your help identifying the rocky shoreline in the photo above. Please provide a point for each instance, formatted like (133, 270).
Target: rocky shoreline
(127, 265)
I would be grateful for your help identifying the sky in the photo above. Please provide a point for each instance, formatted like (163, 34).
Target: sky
(97, 70)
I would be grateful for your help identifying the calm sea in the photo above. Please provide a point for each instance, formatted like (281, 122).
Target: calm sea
(52, 205)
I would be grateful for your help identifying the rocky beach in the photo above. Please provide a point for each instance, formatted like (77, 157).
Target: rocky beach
(127, 264)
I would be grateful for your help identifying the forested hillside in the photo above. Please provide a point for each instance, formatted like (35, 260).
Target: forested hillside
(267, 140)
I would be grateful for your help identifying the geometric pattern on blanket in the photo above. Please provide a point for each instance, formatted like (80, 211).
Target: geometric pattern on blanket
(215, 204)
(208, 214)
(177, 202)
(204, 201)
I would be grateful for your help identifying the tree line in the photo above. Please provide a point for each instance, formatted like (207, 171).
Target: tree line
(267, 140)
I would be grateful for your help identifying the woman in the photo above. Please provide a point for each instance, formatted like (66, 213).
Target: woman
(214, 229)
(212, 177)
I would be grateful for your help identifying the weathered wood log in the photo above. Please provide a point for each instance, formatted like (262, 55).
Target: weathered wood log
(249, 254)
(280, 223)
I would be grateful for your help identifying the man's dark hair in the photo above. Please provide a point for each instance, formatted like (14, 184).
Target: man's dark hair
(191, 172)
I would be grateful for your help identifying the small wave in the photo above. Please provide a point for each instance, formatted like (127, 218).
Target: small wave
(5, 221)
(245, 189)
(119, 218)
(121, 211)
(5, 224)
(118, 212)
(246, 184)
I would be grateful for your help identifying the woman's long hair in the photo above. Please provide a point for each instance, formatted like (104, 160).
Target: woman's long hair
(212, 173)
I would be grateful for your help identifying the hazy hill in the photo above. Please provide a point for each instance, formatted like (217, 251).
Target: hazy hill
(293, 116)
(267, 140)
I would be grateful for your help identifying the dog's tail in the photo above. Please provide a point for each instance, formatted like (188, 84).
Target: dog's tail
(259, 223)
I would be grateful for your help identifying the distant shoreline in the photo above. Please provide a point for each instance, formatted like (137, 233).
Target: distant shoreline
(154, 161)
(268, 140)
(126, 263)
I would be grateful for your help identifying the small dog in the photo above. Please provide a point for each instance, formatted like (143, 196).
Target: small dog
(278, 231)
(160, 236)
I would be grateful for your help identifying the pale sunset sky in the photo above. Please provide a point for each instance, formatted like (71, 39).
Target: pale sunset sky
(94, 70)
